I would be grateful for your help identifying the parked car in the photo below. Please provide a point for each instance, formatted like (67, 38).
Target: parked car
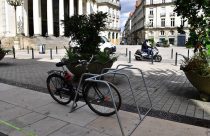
(159, 44)
(104, 45)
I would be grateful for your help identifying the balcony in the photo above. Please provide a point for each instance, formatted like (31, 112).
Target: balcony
(115, 3)
(162, 14)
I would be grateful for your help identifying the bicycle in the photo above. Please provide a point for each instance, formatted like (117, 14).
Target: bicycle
(61, 88)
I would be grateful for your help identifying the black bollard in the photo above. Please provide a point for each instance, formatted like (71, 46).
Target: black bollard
(13, 50)
(129, 57)
(152, 58)
(126, 52)
(32, 50)
(50, 53)
(56, 50)
(176, 59)
(188, 53)
(172, 53)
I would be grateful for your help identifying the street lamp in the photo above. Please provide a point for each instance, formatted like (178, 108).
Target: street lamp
(15, 3)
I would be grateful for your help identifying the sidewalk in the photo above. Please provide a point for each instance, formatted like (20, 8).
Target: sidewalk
(37, 112)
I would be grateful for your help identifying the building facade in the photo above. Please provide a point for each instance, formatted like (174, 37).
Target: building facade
(44, 17)
(155, 19)
(112, 7)
(41, 17)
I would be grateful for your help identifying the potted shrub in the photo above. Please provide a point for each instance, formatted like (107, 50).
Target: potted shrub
(197, 68)
(3, 52)
(84, 30)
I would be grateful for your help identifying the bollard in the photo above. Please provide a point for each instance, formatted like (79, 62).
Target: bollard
(188, 53)
(13, 50)
(50, 53)
(176, 59)
(126, 52)
(56, 50)
(28, 49)
(32, 50)
(129, 57)
(152, 58)
(172, 53)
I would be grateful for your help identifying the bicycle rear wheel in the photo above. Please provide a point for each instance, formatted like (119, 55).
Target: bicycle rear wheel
(98, 98)
(59, 89)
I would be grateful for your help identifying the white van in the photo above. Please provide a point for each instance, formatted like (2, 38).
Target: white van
(104, 45)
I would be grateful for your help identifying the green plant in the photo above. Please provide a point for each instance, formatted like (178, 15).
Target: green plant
(197, 13)
(84, 29)
(152, 42)
(2, 50)
(104, 57)
(198, 64)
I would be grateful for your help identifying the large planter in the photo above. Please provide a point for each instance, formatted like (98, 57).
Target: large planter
(202, 83)
(94, 68)
(2, 55)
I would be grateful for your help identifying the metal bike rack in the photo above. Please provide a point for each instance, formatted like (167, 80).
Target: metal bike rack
(97, 78)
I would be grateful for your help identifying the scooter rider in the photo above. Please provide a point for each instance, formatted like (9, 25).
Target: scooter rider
(146, 48)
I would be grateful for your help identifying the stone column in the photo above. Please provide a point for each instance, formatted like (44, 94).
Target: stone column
(71, 7)
(80, 12)
(37, 17)
(25, 18)
(61, 16)
(50, 18)
(88, 7)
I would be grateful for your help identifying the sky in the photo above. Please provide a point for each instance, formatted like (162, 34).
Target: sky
(127, 6)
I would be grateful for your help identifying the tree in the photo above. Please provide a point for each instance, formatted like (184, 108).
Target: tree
(197, 13)
(84, 29)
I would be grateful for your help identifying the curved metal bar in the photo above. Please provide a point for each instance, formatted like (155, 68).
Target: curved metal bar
(131, 91)
(144, 83)
(106, 83)
(77, 90)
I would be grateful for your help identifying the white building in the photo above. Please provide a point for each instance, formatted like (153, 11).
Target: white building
(112, 7)
(155, 19)
(38, 17)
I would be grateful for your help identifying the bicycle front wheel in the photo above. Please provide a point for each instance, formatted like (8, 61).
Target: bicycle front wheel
(98, 98)
(59, 89)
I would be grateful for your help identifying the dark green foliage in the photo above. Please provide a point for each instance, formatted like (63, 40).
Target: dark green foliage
(3, 50)
(84, 29)
(197, 13)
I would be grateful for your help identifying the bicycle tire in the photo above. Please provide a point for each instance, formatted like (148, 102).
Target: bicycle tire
(61, 84)
(95, 106)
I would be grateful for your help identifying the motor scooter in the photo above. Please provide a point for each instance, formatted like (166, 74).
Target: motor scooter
(141, 55)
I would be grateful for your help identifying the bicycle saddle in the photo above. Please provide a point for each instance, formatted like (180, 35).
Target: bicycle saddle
(60, 64)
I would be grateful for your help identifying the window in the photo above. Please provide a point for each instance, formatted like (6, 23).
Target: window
(182, 21)
(112, 35)
(163, 1)
(162, 33)
(162, 22)
(172, 32)
(151, 22)
(163, 12)
(151, 1)
(172, 21)
(151, 11)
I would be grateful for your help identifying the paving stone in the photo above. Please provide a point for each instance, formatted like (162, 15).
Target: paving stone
(27, 119)
(13, 113)
(42, 128)
(5, 106)
(80, 117)
(74, 130)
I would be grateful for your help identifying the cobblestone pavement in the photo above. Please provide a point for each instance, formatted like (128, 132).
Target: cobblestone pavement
(168, 87)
